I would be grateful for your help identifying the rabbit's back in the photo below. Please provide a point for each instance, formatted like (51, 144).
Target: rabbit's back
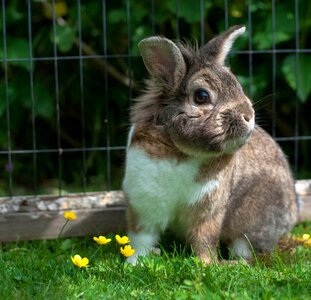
(262, 202)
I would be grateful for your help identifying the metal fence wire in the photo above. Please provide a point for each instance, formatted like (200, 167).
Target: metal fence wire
(69, 70)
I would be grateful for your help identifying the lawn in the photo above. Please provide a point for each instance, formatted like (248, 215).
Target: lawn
(44, 270)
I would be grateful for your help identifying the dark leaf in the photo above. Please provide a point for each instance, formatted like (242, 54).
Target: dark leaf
(298, 76)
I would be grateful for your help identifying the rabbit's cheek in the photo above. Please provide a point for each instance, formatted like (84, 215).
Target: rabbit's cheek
(204, 144)
(200, 133)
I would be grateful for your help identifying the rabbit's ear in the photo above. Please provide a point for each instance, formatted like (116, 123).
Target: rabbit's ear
(163, 59)
(219, 47)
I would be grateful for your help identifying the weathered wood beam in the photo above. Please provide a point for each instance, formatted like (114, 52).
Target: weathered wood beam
(32, 218)
(47, 224)
(303, 190)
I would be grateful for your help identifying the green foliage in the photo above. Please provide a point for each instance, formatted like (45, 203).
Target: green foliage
(16, 48)
(106, 106)
(284, 28)
(295, 70)
(65, 37)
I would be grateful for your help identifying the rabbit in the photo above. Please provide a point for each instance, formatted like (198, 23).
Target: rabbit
(196, 162)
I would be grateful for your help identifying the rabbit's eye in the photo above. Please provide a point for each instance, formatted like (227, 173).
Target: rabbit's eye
(201, 96)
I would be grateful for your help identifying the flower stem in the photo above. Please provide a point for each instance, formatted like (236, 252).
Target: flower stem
(60, 233)
(95, 252)
(122, 266)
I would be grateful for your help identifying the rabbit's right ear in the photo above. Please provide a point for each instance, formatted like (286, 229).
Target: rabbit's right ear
(163, 60)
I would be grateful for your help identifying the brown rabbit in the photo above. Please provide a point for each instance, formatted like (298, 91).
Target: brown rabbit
(197, 163)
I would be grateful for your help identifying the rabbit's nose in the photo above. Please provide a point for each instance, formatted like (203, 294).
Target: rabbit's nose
(246, 118)
(249, 121)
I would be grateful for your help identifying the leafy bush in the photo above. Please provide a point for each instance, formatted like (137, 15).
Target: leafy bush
(93, 105)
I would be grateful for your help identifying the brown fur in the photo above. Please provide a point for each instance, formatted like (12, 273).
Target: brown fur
(255, 196)
(156, 143)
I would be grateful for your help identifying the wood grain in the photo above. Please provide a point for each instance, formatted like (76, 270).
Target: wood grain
(47, 225)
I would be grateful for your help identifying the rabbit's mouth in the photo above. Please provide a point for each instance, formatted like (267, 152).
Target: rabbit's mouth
(233, 145)
(239, 136)
(210, 135)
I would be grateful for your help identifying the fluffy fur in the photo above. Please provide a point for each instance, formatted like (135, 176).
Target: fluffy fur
(196, 161)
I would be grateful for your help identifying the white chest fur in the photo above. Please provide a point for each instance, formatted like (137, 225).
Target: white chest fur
(158, 188)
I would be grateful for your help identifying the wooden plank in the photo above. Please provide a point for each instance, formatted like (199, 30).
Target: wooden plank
(303, 191)
(47, 225)
(41, 217)
(303, 187)
(305, 214)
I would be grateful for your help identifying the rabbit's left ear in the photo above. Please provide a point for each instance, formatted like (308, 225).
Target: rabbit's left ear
(218, 48)
(163, 60)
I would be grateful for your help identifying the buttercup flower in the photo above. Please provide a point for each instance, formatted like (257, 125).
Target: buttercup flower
(101, 240)
(70, 215)
(79, 261)
(127, 251)
(305, 239)
(306, 236)
(122, 240)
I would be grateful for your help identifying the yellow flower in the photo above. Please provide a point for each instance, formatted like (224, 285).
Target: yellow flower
(122, 240)
(304, 238)
(101, 240)
(61, 9)
(70, 215)
(79, 261)
(127, 251)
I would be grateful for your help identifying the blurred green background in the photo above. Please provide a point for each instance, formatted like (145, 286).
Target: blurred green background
(94, 105)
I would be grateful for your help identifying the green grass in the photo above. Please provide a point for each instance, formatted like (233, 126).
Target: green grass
(43, 270)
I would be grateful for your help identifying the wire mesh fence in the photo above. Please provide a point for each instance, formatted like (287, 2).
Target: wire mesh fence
(69, 70)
